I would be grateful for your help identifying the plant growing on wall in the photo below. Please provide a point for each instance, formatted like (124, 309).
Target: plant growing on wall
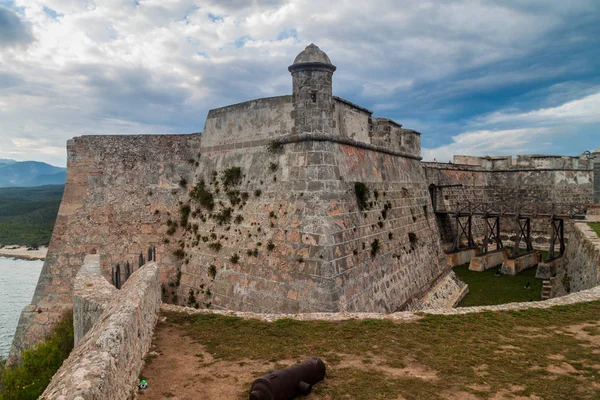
(223, 216)
(274, 147)
(212, 271)
(232, 176)
(375, 247)
(179, 254)
(412, 238)
(362, 195)
(202, 195)
(215, 246)
(184, 209)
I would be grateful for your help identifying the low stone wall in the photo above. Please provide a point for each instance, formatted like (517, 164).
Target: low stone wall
(91, 295)
(402, 316)
(107, 361)
(580, 266)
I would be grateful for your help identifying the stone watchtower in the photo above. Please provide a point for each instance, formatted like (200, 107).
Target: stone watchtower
(312, 74)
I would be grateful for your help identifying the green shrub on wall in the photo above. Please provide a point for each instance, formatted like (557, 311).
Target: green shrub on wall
(40, 363)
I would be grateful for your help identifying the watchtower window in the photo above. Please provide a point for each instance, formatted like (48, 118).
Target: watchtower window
(313, 96)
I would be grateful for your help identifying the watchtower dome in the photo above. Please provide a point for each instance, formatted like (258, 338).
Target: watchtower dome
(312, 75)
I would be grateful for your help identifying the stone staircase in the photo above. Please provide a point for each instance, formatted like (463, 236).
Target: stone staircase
(546, 289)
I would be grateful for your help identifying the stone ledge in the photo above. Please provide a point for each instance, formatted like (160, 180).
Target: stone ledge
(403, 316)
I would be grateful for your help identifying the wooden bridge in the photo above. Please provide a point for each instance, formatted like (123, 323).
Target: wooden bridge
(494, 206)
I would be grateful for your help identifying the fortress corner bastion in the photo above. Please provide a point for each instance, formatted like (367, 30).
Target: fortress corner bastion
(298, 203)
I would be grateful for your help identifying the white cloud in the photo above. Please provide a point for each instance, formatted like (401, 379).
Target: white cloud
(538, 130)
(489, 142)
(584, 110)
(159, 66)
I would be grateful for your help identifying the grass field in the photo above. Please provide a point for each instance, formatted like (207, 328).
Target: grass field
(595, 226)
(485, 288)
(27, 215)
(551, 353)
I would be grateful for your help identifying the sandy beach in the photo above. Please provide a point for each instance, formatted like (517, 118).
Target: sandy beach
(22, 253)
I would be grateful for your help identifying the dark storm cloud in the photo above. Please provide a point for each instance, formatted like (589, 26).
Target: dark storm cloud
(13, 31)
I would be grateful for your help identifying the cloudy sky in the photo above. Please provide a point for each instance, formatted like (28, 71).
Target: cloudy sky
(475, 77)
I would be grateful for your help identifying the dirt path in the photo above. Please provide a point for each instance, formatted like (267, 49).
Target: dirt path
(180, 367)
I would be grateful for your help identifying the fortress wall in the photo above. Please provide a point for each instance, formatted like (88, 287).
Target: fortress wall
(352, 121)
(107, 361)
(579, 268)
(321, 257)
(548, 185)
(255, 120)
(596, 162)
(411, 259)
(114, 187)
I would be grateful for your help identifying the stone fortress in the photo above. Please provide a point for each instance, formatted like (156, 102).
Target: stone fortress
(290, 204)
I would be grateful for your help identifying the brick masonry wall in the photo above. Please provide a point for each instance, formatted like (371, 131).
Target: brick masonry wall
(119, 192)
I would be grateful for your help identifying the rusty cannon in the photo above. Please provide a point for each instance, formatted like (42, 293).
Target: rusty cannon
(288, 383)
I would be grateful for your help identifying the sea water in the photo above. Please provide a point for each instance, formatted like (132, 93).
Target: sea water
(17, 284)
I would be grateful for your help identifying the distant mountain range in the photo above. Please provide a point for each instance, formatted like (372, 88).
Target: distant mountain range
(30, 173)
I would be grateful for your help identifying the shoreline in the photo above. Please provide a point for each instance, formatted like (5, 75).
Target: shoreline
(21, 252)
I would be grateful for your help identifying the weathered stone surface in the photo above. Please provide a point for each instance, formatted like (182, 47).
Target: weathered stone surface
(487, 261)
(461, 257)
(107, 361)
(513, 266)
(580, 266)
(117, 187)
(548, 269)
(92, 293)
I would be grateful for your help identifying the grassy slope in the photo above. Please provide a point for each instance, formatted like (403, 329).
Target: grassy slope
(27, 215)
(474, 354)
(595, 226)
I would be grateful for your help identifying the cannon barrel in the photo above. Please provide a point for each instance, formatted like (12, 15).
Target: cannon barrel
(286, 384)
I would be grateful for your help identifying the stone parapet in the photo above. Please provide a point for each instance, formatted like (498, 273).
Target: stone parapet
(107, 361)
(92, 293)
